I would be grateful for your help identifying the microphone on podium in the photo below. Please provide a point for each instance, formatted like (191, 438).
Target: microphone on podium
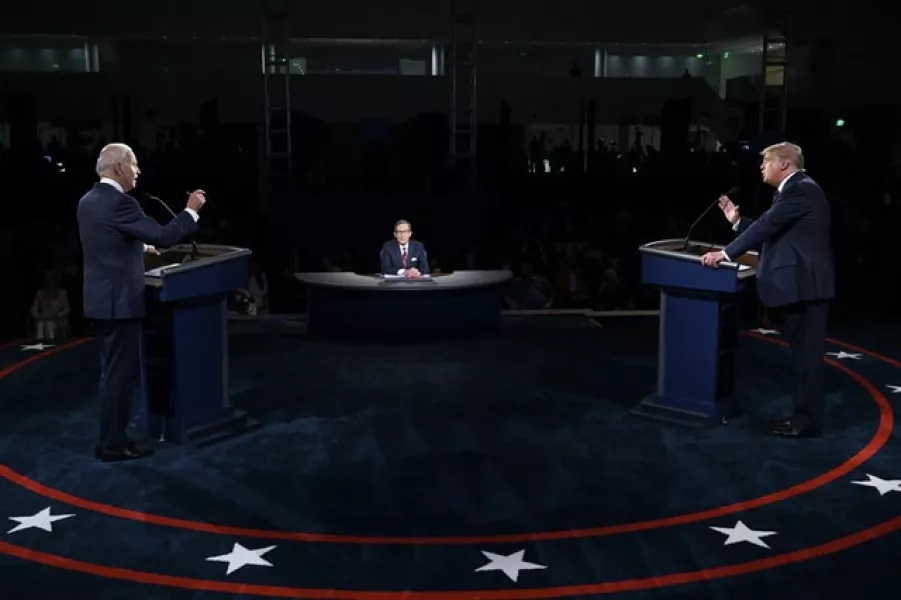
(194, 251)
(732, 192)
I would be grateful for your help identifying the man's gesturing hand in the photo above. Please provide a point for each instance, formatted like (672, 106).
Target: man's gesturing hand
(730, 209)
(196, 200)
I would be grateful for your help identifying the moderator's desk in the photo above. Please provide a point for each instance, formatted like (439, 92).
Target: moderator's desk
(351, 304)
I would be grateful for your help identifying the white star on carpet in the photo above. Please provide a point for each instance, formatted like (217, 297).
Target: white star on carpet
(510, 565)
(883, 485)
(241, 557)
(40, 346)
(42, 520)
(763, 331)
(896, 389)
(841, 355)
(742, 533)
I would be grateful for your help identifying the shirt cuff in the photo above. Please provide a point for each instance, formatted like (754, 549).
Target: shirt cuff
(735, 225)
(726, 256)
(400, 271)
(193, 214)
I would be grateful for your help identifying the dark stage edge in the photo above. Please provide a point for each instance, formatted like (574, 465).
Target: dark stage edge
(400, 471)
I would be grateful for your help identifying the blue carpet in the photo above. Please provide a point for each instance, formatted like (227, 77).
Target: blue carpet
(397, 467)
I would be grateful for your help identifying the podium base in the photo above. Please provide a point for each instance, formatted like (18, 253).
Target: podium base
(233, 425)
(230, 423)
(663, 408)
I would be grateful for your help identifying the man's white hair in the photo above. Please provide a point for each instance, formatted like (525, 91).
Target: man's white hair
(110, 155)
(788, 152)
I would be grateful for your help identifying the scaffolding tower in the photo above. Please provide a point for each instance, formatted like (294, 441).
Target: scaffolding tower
(774, 85)
(277, 97)
(463, 113)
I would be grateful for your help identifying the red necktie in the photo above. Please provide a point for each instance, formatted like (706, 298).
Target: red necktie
(403, 257)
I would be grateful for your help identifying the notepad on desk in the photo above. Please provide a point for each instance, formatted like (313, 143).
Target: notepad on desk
(399, 278)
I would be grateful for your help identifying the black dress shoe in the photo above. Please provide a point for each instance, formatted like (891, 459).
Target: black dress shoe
(789, 430)
(131, 452)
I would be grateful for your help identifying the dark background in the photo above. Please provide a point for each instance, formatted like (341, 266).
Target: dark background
(371, 99)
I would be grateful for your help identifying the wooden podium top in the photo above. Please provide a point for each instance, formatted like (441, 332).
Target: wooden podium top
(181, 258)
(676, 248)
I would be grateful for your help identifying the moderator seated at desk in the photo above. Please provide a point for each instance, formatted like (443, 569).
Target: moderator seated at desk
(349, 303)
(403, 256)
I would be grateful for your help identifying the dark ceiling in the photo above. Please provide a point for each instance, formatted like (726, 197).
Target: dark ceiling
(654, 21)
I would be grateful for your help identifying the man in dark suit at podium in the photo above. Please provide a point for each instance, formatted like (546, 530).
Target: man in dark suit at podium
(404, 256)
(795, 274)
(115, 233)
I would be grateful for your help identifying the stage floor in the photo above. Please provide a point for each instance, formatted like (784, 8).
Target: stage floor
(501, 467)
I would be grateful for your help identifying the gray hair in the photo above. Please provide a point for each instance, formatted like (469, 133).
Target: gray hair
(110, 155)
(788, 152)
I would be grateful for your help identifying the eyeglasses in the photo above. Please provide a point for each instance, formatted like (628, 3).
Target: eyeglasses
(401, 231)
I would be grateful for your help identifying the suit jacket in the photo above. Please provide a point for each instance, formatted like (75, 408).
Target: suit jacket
(793, 236)
(113, 231)
(416, 257)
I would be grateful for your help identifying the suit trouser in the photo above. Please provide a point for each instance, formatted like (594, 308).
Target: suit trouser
(45, 329)
(805, 325)
(120, 341)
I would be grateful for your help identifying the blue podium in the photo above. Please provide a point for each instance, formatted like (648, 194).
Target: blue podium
(184, 354)
(698, 330)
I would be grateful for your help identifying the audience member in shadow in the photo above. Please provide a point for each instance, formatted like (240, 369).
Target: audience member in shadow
(50, 309)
